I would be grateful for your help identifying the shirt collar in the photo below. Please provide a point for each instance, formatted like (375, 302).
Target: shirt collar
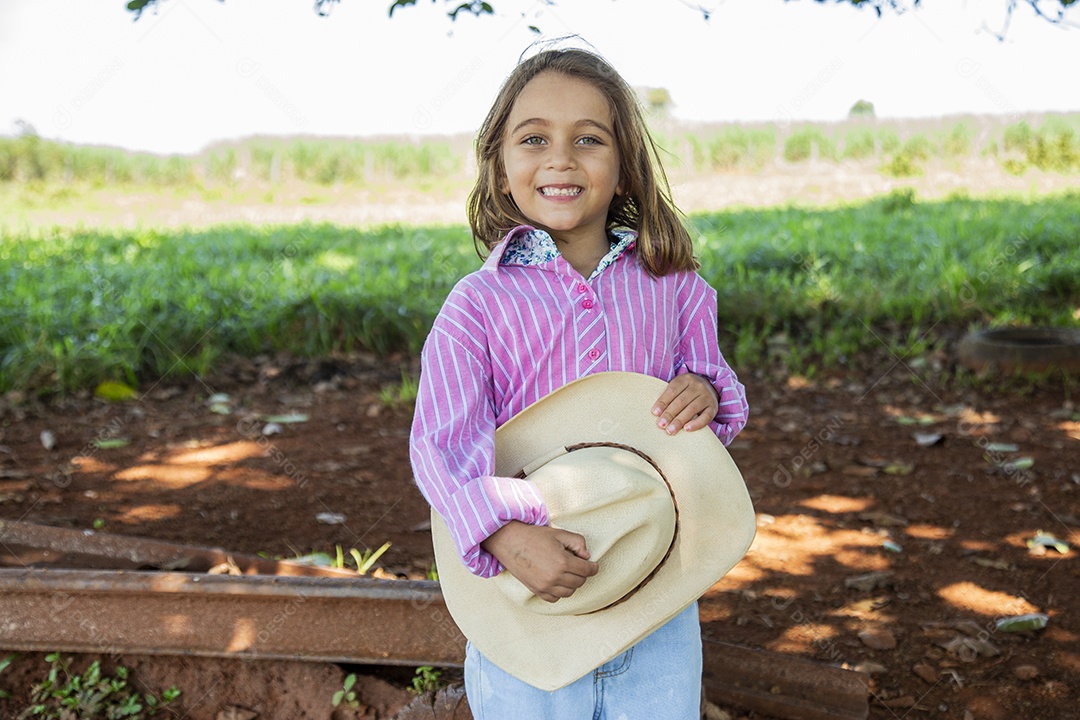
(527, 246)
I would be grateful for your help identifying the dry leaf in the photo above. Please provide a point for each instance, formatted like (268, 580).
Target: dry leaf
(883, 519)
(928, 439)
(229, 567)
(869, 581)
(991, 563)
(969, 649)
(874, 461)
(236, 713)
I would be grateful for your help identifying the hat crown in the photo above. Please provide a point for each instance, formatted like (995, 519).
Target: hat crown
(624, 508)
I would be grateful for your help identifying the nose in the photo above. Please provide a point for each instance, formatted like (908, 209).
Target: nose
(560, 156)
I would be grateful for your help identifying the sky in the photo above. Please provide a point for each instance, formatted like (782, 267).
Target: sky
(198, 71)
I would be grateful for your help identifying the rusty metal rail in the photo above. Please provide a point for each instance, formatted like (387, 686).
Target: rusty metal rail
(782, 686)
(24, 544)
(356, 620)
(342, 618)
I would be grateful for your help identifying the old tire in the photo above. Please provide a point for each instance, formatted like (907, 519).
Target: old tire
(1010, 350)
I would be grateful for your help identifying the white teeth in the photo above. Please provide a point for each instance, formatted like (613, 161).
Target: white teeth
(560, 191)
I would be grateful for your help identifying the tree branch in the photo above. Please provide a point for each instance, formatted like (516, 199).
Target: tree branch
(1055, 15)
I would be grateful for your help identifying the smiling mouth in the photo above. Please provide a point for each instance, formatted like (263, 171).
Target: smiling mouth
(561, 191)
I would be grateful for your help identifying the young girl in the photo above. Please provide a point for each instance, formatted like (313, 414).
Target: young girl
(589, 269)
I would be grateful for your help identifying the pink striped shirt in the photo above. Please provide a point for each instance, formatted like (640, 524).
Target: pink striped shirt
(508, 335)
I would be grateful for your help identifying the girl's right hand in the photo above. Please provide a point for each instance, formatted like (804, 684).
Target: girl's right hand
(552, 563)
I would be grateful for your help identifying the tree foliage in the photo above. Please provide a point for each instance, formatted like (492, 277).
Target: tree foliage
(1050, 10)
(862, 109)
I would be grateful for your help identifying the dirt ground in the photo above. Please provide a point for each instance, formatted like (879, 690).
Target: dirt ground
(873, 551)
(847, 473)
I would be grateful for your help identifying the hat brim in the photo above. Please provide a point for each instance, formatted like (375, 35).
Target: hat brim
(716, 527)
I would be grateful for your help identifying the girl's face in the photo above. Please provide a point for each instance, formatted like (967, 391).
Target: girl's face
(560, 158)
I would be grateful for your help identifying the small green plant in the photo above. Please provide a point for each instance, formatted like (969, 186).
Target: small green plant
(64, 695)
(400, 393)
(346, 695)
(902, 164)
(4, 665)
(425, 680)
(364, 560)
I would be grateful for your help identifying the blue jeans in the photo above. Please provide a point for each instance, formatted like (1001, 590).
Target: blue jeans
(660, 677)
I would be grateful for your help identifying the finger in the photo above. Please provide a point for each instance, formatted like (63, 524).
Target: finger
(691, 413)
(665, 399)
(567, 584)
(557, 592)
(674, 388)
(676, 407)
(573, 542)
(699, 422)
(702, 419)
(581, 568)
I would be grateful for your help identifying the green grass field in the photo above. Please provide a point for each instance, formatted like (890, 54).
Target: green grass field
(801, 288)
(898, 148)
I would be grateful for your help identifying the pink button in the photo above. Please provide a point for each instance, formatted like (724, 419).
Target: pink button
(594, 353)
(587, 304)
(581, 287)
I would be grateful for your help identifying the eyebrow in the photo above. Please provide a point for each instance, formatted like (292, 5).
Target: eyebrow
(579, 123)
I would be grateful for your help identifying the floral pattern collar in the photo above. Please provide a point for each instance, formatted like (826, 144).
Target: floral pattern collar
(527, 246)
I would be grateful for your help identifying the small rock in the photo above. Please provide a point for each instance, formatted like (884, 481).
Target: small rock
(968, 648)
(330, 518)
(389, 700)
(928, 439)
(1055, 689)
(713, 712)
(48, 439)
(870, 668)
(1026, 672)
(926, 672)
(233, 712)
(446, 704)
(869, 581)
(878, 639)
(987, 708)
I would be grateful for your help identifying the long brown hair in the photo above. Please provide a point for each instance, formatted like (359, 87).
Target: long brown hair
(663, 244)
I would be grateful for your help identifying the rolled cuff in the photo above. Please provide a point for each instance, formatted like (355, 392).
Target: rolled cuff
(733, 411)
(482, 506)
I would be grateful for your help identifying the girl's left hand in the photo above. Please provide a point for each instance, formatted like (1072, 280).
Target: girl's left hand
(689, 402)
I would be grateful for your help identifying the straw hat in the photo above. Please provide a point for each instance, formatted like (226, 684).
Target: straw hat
(664, 516)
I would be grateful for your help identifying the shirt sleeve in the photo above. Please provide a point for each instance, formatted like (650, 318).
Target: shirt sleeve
(452, 445)
(699, 352)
